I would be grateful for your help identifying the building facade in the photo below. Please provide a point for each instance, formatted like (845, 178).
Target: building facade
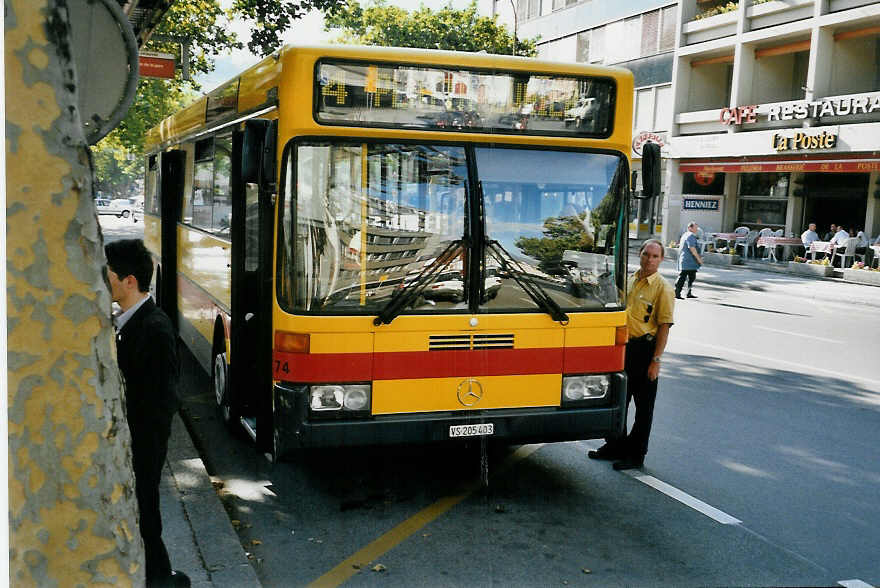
(636, 34)
(776, 116)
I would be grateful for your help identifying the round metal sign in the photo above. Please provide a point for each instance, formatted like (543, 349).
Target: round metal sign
(105, 56)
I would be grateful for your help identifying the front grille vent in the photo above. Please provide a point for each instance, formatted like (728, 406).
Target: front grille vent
(470, 341)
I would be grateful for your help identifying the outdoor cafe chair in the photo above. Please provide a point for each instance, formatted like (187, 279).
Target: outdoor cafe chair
(704, 239)
(765, 232)
(847, 250)
(747, 243)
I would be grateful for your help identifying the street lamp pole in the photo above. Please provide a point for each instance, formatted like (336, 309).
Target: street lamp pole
(513, 7)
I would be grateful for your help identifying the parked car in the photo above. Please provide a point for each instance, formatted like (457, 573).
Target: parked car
(119, 207)
(449, 285)
(582, 113)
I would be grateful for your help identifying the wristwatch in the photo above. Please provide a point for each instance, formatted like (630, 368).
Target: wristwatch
(657, 359)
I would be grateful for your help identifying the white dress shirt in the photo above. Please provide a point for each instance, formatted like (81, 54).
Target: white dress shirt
(839, 237)
(808, 237)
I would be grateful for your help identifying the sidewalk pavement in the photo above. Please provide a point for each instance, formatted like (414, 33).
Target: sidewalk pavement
(771, 277)
(198, 534)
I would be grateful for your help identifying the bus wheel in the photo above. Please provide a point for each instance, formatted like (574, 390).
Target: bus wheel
(125, 214)
(220, 380)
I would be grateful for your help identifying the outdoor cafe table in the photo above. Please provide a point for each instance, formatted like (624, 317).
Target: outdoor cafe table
(729, 237)
(820, 247)
(771, 243)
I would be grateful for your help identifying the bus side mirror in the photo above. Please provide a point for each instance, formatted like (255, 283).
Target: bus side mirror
(650, 170)
(252, 150)
(269, 158)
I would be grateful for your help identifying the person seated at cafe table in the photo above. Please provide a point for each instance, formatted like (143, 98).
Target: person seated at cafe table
(831, 232)
(809, 236)
(840, 237)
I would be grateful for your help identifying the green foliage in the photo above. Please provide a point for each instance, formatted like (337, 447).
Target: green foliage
(560, 234)
(273, 17)
(117, 169)
(447, 28)
(720, 9)
(200, 22)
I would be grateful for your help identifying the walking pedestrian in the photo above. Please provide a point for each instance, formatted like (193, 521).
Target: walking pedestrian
(650, 307)
(689, 260)
(147, 353)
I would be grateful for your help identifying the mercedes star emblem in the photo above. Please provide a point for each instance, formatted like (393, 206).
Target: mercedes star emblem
(470, 392)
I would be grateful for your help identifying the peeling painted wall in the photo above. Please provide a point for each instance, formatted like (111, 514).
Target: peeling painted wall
(72, 508)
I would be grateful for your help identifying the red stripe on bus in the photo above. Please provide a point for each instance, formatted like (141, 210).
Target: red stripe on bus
(405, 365)
(586, 360)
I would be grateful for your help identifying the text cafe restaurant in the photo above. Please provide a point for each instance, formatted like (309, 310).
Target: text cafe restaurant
(781, 166)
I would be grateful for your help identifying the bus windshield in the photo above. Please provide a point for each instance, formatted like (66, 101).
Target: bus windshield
(362, 221)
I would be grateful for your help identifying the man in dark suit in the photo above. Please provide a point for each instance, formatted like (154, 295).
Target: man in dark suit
(147, 353)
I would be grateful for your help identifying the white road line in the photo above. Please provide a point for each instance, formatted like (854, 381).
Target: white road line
(727, 353)
(855, 584)
(686, 499)
(834, 341)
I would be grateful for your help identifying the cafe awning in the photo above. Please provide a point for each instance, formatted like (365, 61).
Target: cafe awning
(841, 163)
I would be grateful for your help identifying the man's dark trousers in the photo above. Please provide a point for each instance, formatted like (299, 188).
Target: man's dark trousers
(690, 276)
(149, 449)
(639, 353)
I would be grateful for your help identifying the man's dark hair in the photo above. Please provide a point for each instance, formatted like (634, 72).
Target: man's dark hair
(130, 257)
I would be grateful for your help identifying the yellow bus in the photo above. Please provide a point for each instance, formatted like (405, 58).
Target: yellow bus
(371, 246)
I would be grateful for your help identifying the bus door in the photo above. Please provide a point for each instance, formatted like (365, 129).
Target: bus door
(171, 190)
(250, 370)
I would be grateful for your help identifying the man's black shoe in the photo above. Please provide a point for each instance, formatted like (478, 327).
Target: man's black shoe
(678, 296)
(180, 580)
(605, 453)
(628, 463)
(690, 295)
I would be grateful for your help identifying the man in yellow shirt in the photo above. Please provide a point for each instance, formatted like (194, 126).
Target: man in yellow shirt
(650, 304)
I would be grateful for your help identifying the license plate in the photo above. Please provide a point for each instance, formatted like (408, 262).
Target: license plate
(472, 430)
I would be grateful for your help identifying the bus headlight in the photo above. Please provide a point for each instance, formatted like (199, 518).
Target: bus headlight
(577, 388)
(339, 397)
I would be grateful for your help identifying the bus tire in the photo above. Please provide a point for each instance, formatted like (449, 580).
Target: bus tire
(220, 384)
(124, 214)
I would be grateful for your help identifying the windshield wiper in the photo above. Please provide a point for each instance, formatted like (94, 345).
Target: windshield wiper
(526, 282)
(402, 297)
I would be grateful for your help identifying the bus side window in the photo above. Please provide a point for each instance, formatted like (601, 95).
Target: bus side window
(203, 185)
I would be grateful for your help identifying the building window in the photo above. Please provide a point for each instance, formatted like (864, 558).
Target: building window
(663, 108)
(667, 28)
(650, 32)
(644, 119)
(582, 54)
(770, 184)
(597, 45)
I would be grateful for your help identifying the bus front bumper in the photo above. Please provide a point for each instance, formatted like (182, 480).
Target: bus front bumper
(294, 429)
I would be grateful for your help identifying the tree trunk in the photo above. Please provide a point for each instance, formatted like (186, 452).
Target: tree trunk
(72, 508)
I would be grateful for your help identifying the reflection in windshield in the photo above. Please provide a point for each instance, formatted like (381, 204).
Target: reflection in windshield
(363, 221)
(369, 218)
(554, 212)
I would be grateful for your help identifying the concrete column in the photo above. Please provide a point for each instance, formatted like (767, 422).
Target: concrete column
(819, 68)
(672, 203)
(743, 73)
(728, 217)
(681, 82)
(872, 215)
(796, 204)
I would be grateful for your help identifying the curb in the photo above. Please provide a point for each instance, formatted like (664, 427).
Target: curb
(218, 546)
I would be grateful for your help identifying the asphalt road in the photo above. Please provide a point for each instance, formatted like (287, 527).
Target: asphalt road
(762, 470)
(763, 450)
